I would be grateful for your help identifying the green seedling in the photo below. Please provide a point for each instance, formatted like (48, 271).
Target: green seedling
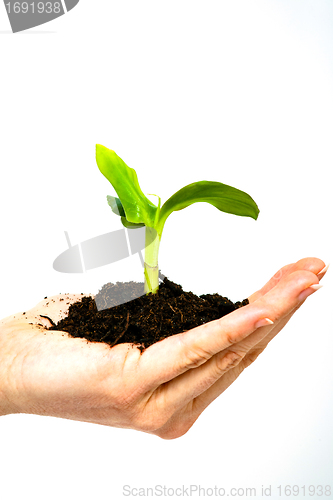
(136, 210)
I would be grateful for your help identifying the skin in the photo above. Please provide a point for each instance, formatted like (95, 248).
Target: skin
(161, 391)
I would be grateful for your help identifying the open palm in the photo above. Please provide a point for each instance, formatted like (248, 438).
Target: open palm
(162, 390)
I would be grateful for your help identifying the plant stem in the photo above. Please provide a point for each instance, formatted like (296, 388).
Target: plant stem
(153, 240)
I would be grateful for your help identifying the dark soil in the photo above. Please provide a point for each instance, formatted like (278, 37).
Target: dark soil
(145, 320)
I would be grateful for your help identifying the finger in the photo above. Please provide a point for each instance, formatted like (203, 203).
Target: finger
(188, 386)
(188, 410)
(183, 419)
(311, 264)
(284, 321)
(262, 344)
(191, 349)
(185, 416)
(322, 273)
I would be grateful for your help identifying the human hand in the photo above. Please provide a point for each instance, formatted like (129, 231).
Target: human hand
(161, 391)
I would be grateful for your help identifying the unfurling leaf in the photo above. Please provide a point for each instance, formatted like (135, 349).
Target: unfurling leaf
(137, 207)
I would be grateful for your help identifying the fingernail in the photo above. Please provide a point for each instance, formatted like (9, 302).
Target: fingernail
(308, 291)
(316, 287)
(323, 271)
(263, 322)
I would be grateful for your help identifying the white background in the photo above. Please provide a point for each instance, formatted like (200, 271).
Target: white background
(234, 91)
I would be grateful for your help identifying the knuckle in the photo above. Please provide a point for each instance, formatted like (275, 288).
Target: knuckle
(196, 356)
(277, 276)
(227, 361)
(229, 337)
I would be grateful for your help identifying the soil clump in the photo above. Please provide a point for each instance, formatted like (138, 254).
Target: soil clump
(121, 313)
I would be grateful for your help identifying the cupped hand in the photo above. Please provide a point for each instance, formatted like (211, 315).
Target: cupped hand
(162, 390)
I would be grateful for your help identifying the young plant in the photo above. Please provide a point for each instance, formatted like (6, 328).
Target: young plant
(136, 210)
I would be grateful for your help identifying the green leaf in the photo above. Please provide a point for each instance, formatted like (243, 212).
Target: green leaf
(137, 207)
(118, 209)
(225, 198)
(116, 206)
(130, 225)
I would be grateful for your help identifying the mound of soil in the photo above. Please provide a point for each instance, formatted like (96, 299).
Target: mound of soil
(144, 320)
